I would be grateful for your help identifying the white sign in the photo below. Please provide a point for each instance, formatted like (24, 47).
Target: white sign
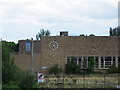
(40, 77)
(118, 86)
(44, 67)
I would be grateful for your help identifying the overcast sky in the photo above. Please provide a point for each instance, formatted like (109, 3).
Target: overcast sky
(22, 19)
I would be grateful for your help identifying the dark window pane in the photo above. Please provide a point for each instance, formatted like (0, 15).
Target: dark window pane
(96, 62)
(80, 62)
(68, 60)
(108, 61)
(114, 61)
(119, 61)
(102, 62)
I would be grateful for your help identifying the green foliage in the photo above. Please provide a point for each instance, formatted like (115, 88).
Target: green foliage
(8, 66)
(91, 63)
(86, 35)
(72, 68)
(7, 86)
(114, 31)
(12, 76)
(112, 69)
(91, 35)
(82, 35)
(10, 46)
(54, 70)
(118, 69)
(28, 81)
(11, 71)
(42, 33)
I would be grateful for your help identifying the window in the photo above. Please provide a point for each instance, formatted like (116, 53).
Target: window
(80, 62)
(68, 60)
(114, 61)
(119, 61)
(28, 46)
(96, 62)
(85, 63)
(108, 61)
(74, 60)
(102, 62)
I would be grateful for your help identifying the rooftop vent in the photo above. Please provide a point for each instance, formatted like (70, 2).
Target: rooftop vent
(64, 33)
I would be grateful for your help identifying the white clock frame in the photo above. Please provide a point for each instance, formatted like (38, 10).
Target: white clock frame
(53, 45)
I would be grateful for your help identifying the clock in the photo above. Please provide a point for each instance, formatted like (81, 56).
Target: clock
(53, 45)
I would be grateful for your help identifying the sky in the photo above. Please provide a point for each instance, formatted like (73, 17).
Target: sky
(23, 19)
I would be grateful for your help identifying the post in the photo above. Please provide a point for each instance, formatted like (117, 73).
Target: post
(32, 56)
(1, 64)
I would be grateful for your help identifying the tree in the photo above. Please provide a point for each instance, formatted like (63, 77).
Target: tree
(82, 35)
(91, 35)
(8, 65)
(12, 75)
(42, 33)
(111, 33)
(118, 30)
(91, 63)
(114, 31)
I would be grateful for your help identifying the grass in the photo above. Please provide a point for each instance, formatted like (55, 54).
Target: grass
(77, 81)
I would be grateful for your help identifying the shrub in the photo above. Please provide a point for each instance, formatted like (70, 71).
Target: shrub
(118, 69)
(28, 82)
(91, 65)
(112, 69)
(54, 69)
(7, 86)
(13, 77)
(72, 68)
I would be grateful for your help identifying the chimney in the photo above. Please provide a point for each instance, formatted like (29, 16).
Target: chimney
(64, 33)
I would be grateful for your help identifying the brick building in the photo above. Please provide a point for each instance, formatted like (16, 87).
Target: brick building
(51, 50)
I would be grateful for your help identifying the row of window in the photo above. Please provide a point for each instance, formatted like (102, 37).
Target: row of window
(99, 62)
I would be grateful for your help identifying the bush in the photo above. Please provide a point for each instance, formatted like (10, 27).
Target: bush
(112, 69)
(54, 70)
(91, 65)
(7, 86)
(13, 77)
(72, 68)
(28, 82)
(118, 69)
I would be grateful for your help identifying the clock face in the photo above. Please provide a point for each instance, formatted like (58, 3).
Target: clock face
(53, 45)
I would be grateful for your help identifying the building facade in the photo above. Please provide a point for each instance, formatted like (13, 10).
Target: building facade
(60, 50)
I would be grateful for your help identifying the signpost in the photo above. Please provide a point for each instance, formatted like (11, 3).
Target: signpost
(40, 77)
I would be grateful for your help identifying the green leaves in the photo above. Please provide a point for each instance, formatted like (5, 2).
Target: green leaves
(72, 68)
(42, 33)
(28, 81)
(12, 76)
(114, 31)
(113, 69)
(91, 63)
(54, 69)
